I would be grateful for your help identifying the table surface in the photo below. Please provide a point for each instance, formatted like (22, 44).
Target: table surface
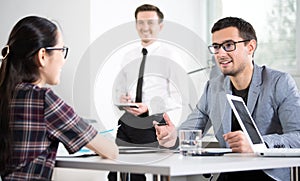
(174, 164)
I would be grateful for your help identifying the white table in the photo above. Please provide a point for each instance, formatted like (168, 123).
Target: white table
(170, 165)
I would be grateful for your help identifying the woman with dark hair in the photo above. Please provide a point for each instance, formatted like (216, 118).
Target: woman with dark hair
(33, 118)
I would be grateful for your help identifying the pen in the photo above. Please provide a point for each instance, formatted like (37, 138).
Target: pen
(109, 130)
(161, 124)
(106, 131)
(126, 94)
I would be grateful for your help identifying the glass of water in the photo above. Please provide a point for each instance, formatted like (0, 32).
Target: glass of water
(190, 142)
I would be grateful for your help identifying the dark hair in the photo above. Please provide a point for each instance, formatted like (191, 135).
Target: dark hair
(246, 31)
(149, 7)
(20, 64)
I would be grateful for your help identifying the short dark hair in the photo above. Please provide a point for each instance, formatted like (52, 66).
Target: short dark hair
(149, 7)
(246, 31)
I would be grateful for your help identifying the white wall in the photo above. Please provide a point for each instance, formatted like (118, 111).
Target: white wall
(105, 16)
(75, 22)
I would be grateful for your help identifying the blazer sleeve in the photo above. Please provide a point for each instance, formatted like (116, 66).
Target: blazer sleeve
(287, 101)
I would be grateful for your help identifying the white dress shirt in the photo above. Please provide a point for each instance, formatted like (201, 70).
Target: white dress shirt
(164, 80)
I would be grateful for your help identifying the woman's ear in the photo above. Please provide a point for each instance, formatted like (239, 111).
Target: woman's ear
(41, 57)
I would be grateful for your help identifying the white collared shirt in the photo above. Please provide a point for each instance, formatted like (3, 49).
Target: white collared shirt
(163, 79)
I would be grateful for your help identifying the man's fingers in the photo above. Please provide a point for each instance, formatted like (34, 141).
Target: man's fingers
(167, 119)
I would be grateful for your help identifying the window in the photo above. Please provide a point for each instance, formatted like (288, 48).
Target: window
(275, 24)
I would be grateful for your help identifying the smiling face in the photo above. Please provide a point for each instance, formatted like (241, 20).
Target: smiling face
(235, 62)
(148, 26)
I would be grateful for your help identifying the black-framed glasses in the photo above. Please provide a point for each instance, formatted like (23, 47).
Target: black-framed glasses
(63, 49)
(228, 46)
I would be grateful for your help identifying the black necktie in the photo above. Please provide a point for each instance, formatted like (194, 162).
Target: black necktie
(138, 97)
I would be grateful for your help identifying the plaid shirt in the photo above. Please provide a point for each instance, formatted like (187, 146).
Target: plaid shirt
(39, 121)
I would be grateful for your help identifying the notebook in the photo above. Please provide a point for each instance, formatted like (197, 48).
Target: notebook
(253, 135)
(136, 150)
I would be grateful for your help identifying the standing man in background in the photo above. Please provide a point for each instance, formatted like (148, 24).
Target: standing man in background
(158, 92)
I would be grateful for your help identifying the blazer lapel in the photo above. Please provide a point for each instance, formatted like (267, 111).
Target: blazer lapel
(255, 87)
(226, 108)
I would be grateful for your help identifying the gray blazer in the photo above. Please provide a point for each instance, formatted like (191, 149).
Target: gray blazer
(273, 101)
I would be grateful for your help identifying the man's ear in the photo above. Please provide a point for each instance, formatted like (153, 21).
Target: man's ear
(161, 25)
(41, 57)
(252, 46)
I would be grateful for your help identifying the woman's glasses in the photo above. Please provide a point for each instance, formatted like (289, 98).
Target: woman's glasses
(63, 49)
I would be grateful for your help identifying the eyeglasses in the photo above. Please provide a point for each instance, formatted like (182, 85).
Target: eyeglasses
(228, 46)
(63, 49)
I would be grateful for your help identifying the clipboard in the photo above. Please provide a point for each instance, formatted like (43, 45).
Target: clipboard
(122, 105)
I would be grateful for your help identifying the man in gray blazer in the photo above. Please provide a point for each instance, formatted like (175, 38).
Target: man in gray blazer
(271, 97)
